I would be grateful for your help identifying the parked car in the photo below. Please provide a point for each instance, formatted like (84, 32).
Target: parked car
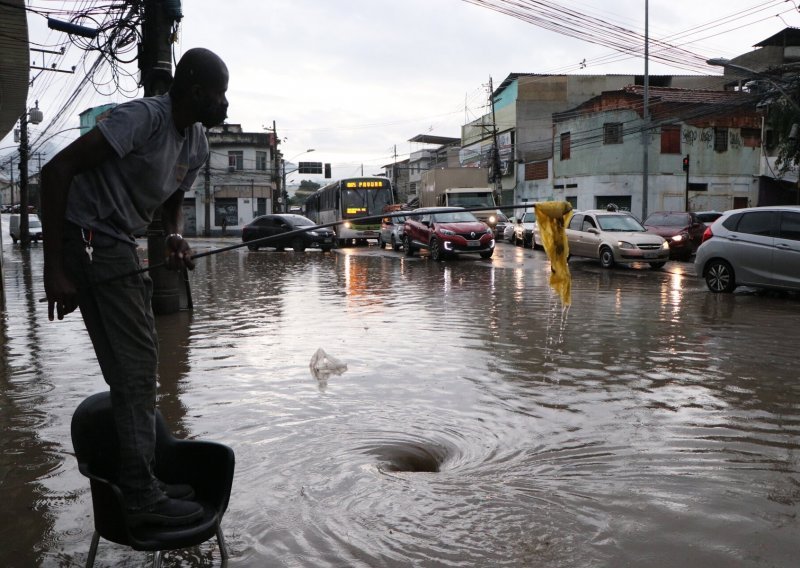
(614, 236)
(682, 230)
(524, 230)
(757, 246)
(447, 231)
(708, 217)
(508, 232)
(278, 224)
(391, 232)
(34, 227)
(501, 222)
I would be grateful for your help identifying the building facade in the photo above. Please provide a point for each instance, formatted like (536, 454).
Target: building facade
(599, 153)
(241, 181)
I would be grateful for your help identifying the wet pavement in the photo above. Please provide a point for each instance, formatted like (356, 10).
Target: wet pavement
(477, 424)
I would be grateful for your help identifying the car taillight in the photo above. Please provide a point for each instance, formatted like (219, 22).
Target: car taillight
(707, 234)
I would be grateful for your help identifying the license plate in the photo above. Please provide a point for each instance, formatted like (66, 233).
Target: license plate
(327, 240)
(473, 243)
(651, 255)
(370, 233)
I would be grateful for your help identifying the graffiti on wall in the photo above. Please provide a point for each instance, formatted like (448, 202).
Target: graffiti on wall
(707, 137)
(689, 136)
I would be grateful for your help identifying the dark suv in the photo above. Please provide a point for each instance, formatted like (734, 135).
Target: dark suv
(446, 231)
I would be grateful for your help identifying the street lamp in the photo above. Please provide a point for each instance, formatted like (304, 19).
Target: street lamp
(283, 185)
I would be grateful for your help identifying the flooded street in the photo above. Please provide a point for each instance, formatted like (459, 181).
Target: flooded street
(654, 424)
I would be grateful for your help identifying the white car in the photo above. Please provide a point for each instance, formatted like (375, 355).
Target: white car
(34, 227)
(524, 230)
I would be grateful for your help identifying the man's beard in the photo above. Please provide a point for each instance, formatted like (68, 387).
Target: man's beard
(210, 113)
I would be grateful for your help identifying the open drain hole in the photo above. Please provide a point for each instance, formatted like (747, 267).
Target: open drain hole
(413, 458)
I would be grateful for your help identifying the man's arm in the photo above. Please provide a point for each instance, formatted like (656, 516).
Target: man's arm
(178, 251)
(85, 153)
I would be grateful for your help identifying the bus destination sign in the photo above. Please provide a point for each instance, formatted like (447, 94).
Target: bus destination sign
(365, 183)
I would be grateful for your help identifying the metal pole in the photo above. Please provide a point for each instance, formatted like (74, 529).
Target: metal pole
(646, 112)
(207, 228)
(24, 234)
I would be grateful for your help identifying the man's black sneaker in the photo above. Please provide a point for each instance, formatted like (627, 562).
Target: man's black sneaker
(176, 490)
(167, 512)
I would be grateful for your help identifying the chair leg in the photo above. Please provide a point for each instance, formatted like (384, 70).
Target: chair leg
(93, 549)
(223, 550)
(157, 559)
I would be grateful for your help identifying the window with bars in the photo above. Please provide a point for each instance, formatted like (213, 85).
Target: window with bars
(720, 139)
(612, 133)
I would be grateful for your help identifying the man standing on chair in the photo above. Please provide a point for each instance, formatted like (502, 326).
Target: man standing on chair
(96, 194)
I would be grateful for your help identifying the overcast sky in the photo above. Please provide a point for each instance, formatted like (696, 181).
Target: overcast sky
(355, 79)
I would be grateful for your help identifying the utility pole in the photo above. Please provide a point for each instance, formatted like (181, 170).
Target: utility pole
(24, 233)
(155, 65)
(496, 177)
(277, 177)
(207, 176)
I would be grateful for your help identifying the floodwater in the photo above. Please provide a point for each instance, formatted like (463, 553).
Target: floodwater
(477, 425)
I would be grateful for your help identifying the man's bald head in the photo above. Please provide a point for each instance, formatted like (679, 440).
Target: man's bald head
(198, 66)
(198, 90)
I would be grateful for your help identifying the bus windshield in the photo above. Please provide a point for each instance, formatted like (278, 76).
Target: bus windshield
(363, 202)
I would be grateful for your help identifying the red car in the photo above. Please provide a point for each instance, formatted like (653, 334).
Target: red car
(682, 230)
(446, 231)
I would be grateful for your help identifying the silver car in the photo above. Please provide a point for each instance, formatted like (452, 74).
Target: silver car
(757, 246)
(614, 236)
(391, 232)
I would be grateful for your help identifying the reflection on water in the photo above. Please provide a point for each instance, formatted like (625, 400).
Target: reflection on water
(478, 424)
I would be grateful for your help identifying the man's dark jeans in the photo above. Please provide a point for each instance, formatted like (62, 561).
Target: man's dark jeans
(119, 318)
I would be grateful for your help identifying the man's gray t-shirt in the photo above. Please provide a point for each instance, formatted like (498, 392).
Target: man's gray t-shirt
(153, 161)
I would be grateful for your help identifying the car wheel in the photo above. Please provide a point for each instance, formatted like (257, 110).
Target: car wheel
(437, 253)
(252, 247)
(381, 242)
(298, 245)
(719, 276)
(606, 257)
(409, 250)
(487, 254)
(395, 244)
(657, 265)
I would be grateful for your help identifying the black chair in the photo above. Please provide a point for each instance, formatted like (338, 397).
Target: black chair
(206, 466)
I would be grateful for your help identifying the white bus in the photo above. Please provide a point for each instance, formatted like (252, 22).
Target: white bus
(348, 199)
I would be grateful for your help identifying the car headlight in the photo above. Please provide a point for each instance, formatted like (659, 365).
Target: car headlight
(665, 245)
(488, 231)
(625, 245)
(347, 224)
(493, 219)
(677, 238)
(313, 233)
(447, 232)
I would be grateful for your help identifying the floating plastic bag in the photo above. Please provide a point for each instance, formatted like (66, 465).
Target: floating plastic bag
(323, 365)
